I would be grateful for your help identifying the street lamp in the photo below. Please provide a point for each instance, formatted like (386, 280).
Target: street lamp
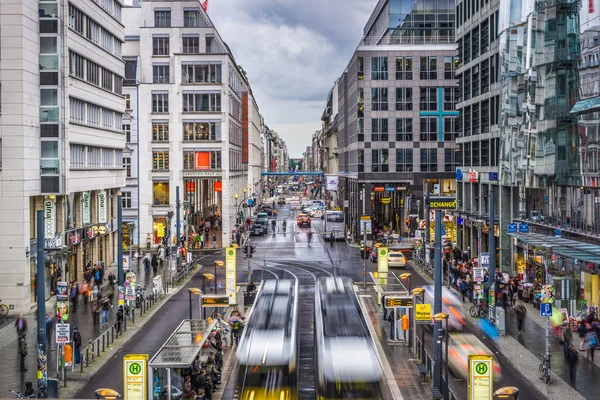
(192, 291)
(108, 394)
(218, 263)
(407, 277)
(205, 277)
(235, 196)
(507, 392)
(438, 318)
(420, 292)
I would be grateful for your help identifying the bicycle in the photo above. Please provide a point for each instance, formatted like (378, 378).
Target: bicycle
(19, 395)
(545, 370)
(478, 310)
(3, 310)
(88, 355)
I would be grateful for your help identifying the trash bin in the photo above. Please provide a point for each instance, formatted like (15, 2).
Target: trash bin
(501, 320)
(52, 388)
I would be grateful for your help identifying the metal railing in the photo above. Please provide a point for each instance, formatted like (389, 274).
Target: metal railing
(428, 363)
(419, 261)
(404, 40)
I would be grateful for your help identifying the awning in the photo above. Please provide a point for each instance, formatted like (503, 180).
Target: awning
(563, 247)
(387, 283)
(180, 350)
(586, 106)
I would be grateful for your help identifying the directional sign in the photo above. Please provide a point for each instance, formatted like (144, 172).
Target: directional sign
(523, 228)
(215, 300)
(512, 228)
(481, 377)
(399, 301)
(546, 309)
(63, 333)
(423, 313)
(134, 376)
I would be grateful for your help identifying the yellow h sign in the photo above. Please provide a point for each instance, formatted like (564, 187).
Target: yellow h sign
(481, 377)
(134, 376)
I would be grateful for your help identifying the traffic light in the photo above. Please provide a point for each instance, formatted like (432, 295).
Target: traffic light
(407, 223)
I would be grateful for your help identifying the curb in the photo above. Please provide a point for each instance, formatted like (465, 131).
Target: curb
(75, 385)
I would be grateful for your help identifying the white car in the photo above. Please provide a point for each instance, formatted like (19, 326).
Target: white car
(396, 259)
(316, 213)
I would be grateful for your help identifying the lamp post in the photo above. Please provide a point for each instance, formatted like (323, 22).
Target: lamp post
(407, 277)
(218, 263)
(507, 392)
(235, 196)
(420, 292)
(192, 291)
(439, 317)
(205, 277)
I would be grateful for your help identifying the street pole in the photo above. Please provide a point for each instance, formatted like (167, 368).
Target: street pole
(365, 255)
(447, 387)
(492, 249)
(437, 302)
(427, 222)
(41, 304)
(120, 277)
(178, 221)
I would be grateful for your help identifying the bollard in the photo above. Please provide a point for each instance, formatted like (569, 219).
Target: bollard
(112, 333)
(87, 358)
(81, 363)
(141, 309)
(103, 340)
(98, 347)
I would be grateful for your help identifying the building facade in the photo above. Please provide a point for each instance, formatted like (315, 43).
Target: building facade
(396, 113)
(199, 125)
(62, 140)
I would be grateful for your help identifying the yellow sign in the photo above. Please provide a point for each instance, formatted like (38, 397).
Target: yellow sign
(442, 203)
(230, 270)
(423, 312)
(213, 300)
(382, 259)
(386, 200)
(365, 218)
(481, 377)
(135, 376)
(395, 301)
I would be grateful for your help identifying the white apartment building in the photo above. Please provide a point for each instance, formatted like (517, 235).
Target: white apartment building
(196, 119)
(61, 140)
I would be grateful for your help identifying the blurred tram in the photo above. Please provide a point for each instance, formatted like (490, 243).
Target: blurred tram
(348, 366)
(451, 305)
(266, 354)
(463, 344)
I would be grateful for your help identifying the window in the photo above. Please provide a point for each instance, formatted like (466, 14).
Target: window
(467, 48)
(404, 129)
(379, 99)
(108, 119)
(160, 46)
(467, 155)
(160, 193)
(450, 128)
(77, 158)
(201, 102)
(160, 102)
(475, 154)
(127, 166)
(428, 68)
(379, 68)
(475, 80)
(77, 110)
(162, 18)
(160, 131)
(380, 162)
(450, 98)
(210, 43)
(404, 68)
(428, 99)
(361, 129)
(467, 121)
(485, 76)
(361, 160)
(485, 153)
(118, 88)
(191, 44)
(160, 73)
(404, 100)
(360, 66)
(379, 129)
(160, 160)
(126, 199)
(201, 73)
(202, 160)
(75, 19)
(76, 66)
(404, 160)
(467, 85)
(93, 115)
(485, 116)
(191, 18)
(485, 36)
(449, 160)
(475, 118)
(429, 129)
(127, 101)
(475, 43)
(428, 160)
(361, 102)
(450, 67)
(201, 130)
(108, 158)
(127, 132)
(107, 79)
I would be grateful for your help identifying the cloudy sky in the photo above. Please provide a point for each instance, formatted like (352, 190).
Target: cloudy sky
(292, 51)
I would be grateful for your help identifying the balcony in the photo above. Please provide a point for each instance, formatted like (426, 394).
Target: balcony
(406, 40)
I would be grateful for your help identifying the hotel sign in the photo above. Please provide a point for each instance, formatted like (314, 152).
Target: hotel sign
(49, 217)
(86, 205)
(102, 207)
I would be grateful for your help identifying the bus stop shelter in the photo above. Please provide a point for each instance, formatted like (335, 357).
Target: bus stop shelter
(176, 355)
(399, 300)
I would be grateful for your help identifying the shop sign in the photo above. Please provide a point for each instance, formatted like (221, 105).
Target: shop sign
(557, 233)
(459, 175)
(442, 203)
(49, 217)
(211, 173)
(523, 228)
(102, 229)
(493, 176)
(91, 232)
(473, 176)
(512, 228)
(378, 189)
(74, 237)
(400, 188)
(86, 215)
(53, 242)
(386, 200)
(160, 213)
(390, 189)
(102, 207)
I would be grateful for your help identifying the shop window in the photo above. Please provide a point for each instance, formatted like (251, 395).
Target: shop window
(160, 193)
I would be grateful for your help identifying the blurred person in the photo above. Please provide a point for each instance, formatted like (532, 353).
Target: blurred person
(214, 240)
(251, 287)
(591, 343)
(582, 331)
(95, 309)
(392, 321)
(77, 344)
(49, 327)
(572, 360)
(521, 312)
(567, 339)
(21, 325)
(154, 264)
(105, 310)
(22, 351)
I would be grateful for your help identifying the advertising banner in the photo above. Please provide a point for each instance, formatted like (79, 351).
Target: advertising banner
(102, 207)
(63, 333)
(86, 215)
(332, 183)
(230, 270)
(49, 217)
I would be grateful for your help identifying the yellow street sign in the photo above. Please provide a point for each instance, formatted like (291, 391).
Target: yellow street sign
(481, 377)
(230, 271)
(135, 377)
(423, 313)
(382, 259)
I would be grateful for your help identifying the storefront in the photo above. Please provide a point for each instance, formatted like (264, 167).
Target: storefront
(160, 228)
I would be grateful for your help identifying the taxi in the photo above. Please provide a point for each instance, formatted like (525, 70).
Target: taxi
(303, 220)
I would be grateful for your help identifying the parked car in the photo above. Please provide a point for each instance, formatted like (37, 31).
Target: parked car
(262, 215)
(396, 259)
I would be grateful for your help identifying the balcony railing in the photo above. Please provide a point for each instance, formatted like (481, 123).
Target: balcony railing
(404, 40)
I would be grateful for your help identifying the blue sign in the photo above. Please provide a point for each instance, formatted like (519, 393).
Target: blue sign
(493, 176)
(545, 199)
(512, 228)
(524, 228)
(459, 175)
(546, 309)
(459, 221)
(390, 188)
(557, 233)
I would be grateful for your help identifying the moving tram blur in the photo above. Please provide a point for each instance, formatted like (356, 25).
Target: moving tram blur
(267, 351)
(348, 365)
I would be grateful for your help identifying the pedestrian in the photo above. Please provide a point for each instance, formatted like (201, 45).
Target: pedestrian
(201, 380)
(567, 339)
(591, 342)
(110, 292)
(214, 238)
(23, 351)
(235, 323)
(521, 312)
(392, 321)
(74, 293)
(21, 325)
(105, 310)
(77, 342)
(238, 238)
(201, 240)
(154, 264)
(95, 310)
(582, 331)
(120, 318)
(148, 242)
(49, 324)
(147, 260)
(572, 360)
(385, 311)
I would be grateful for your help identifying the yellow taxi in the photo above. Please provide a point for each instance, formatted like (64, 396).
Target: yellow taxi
(303, 220)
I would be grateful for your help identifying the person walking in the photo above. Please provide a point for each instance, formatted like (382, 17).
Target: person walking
(392, 321)
(214, 239)
(95, 310)
(105, 310)
(49, 326)
(148, 242)
(521, 312)
(201, 240)
(23, 351)
(567, 339)
(582, 331)
(572, 360)
(74, 294)
(21, 325)
(154, 264)
(591, 343)
(120, 318)
(77, 342)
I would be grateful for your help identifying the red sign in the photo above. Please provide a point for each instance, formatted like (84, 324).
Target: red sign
(379, 189)
(202, 160)
(591, 6)
(473, 176)
(190, 187)
(218, 186)
(245, 128)
(74, 238)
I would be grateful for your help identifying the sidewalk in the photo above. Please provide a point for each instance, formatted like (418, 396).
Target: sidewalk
(12, 378)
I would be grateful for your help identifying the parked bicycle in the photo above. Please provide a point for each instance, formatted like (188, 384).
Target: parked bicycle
(3, 310)
(89, 356)
(479, 310)
(545, 370)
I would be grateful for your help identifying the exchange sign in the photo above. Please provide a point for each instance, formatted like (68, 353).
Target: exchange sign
(442, 203)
